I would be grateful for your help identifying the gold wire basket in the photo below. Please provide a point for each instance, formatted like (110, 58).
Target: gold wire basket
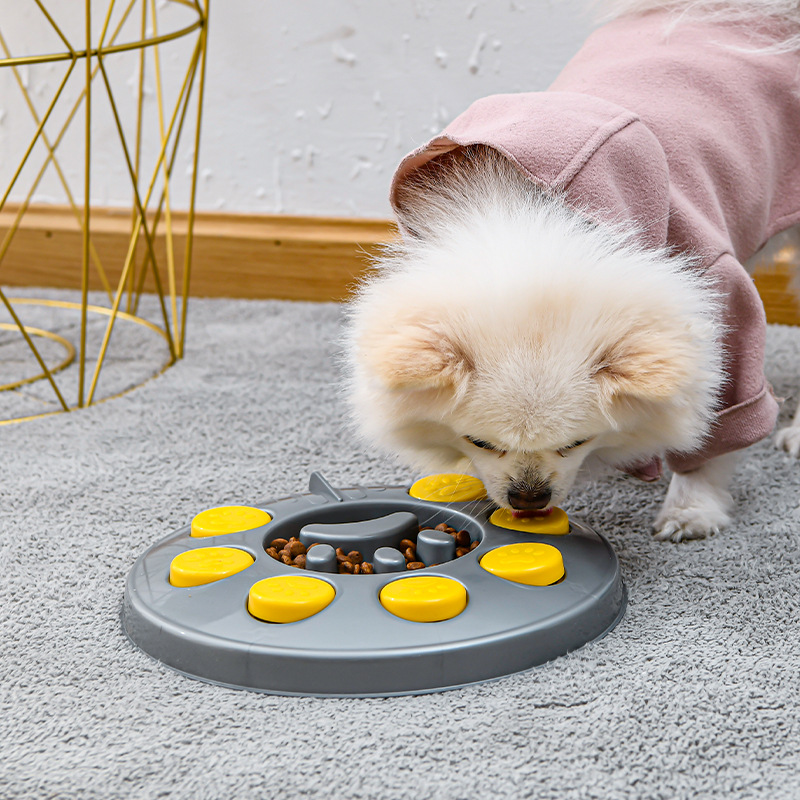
(96, 68)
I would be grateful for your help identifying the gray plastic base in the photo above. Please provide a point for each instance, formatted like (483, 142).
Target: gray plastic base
(355, 647)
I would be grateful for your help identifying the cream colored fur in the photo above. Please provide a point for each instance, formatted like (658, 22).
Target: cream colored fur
(512, 320)
(787, 11)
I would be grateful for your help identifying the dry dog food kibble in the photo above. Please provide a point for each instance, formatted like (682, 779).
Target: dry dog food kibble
(292, 552)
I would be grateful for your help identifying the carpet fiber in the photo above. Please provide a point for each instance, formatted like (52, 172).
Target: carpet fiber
(695, 694)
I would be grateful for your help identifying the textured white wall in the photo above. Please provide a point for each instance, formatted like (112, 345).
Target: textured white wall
(310, 104)
(332, 93)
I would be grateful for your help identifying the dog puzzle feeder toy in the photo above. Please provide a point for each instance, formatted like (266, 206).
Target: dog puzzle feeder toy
(371, 591)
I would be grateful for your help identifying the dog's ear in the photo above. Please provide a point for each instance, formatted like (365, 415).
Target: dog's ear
(415, 354)
(644, 364)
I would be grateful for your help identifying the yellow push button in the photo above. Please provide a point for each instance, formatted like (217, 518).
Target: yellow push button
(556, 522)
(530, 563)
(424, 598)
(448, 488)
(289, 598)
(206, 565)
(228, 519)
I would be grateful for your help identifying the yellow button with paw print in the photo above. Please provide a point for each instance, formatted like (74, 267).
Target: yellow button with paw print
(228, 519)
(289, 598)
(206, 565)
(556, 522)
(450, 487)
(530, 563)
(424, 598)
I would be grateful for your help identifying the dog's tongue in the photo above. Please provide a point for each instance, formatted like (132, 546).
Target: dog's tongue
(530, 512)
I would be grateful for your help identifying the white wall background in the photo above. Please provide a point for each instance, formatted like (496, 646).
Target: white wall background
(310, 104)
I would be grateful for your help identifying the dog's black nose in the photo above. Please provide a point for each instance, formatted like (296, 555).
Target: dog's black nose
(525, 498)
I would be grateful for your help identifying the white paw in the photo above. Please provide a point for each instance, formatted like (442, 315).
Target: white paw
(675, 524)
(788, 439)
(698, 503)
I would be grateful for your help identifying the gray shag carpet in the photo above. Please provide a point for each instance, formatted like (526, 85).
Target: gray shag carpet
(695, 694)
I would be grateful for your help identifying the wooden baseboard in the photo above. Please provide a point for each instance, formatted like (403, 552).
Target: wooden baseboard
(245, 255)
(779, 300)
(233, 255)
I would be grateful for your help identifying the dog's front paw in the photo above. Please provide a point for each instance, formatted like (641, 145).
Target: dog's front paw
(788, 439)
(677, 524)
(697, 504)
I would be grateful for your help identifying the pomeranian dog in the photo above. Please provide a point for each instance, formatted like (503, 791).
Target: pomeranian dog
(569, 286)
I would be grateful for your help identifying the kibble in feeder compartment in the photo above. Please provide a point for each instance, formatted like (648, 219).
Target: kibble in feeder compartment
(443, 589)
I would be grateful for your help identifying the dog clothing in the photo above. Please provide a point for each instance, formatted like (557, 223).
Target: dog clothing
(690, 135)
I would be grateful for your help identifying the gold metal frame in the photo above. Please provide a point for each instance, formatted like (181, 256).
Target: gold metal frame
(149, 210)
(65, 343)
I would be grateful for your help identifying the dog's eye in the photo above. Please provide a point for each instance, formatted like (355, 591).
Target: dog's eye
(562, 451)
(484, 445)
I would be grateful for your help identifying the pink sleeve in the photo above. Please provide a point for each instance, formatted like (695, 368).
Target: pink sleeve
(747, 408)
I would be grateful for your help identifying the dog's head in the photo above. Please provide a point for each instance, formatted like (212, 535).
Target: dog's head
(515, 362)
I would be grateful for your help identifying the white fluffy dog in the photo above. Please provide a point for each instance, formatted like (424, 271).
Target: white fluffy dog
(569, 283)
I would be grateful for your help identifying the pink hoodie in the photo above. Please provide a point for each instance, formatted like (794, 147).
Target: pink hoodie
(695, 142)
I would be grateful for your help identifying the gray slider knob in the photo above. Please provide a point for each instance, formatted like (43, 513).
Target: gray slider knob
(388, 559)
(321, 558)
(365, 536)
(435, 547)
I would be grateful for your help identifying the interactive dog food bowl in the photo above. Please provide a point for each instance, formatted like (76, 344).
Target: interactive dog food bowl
(211, 602)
